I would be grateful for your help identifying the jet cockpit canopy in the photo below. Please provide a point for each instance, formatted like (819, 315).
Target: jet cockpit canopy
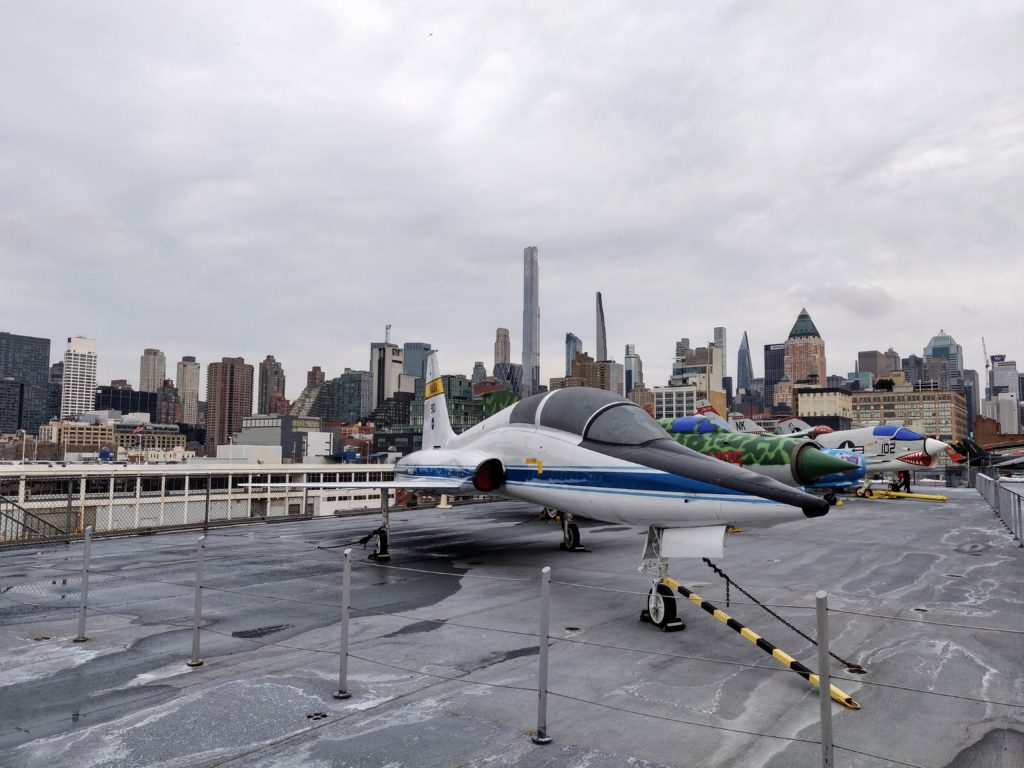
(593, 414)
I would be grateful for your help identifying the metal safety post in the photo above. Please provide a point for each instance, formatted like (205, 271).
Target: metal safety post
(83, 601)
(541, 737)
(197, 616)
(825, 682)
(206, 512)
(346, 585)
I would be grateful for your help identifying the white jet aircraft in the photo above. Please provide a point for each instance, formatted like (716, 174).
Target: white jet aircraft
(886, 448)
(592, 453)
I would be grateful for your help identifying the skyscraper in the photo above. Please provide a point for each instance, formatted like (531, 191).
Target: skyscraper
(386, 366)
(415, 358)
(24, 370)
(573, 346)
(602, 338)
(152, 370)
(228, 399)
(720, 343)
(78, 387)
(502, 348)
(744, 368)
(187, 381)
(633, 369)
(804, 358)
(479, 372)
(531, 320)
(944, 348)
(271, 383)
(774, 368)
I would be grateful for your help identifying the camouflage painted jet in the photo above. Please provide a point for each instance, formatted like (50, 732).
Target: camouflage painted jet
(794, 461)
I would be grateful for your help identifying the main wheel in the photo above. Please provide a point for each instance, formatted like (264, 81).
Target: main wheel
(571, 536)
(831, 499)
(661, 605)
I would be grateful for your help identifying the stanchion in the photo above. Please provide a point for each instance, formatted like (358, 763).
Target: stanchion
(824, 681)
(346, 585)
(83, 601)
(197, 616)
(443, 503)
(541, 737)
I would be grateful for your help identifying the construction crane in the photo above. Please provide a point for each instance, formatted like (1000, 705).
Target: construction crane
(988, 369)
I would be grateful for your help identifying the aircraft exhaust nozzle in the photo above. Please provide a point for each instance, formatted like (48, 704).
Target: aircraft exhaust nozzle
(669, 456)
(810, 464)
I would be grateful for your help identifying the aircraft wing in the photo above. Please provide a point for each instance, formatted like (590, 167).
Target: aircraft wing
(441, 484)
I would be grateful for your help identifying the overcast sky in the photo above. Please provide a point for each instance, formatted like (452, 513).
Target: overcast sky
(245, 178)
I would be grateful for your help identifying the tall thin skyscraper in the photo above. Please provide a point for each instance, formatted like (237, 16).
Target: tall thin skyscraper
(573, 346)
(531, 320)
(602, 338)
(774, 368)
(78, 387)
(744, 368)
(152, 370)
(720, 343)
(271, 383)
(188, 389)
(502, 348)
(228, 399)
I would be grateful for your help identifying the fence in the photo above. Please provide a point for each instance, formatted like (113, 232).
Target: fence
(37, 506)
(218, 574)
(1006, 497)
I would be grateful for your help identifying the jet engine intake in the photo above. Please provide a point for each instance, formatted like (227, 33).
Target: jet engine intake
(489, 476)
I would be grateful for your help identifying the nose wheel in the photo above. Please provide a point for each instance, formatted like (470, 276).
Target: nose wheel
(570, 535)
(661, 609)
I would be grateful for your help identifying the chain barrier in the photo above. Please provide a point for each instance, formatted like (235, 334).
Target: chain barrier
(853, 667)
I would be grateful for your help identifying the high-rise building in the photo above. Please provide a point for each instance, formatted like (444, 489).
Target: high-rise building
(573, 346)
(804, 359)
(531, 321)
(510, 375)
(913, 369)
(774, 369)
(126, 400)
(744, 369)
(53, 390)
(24, 367)
(634, 369)
(228, 399)
(700, 367)
(152, 370)
(78, 386)
(721, 344)
(187, 383)
(315, 376)
(346, 399)
(587, 372)
(168, 404)
(972, 394)
(479, 372)
(872, 362)
(271, 383)
(502, 348)
(679, 362)
(386, 366)
(1004, 376)
(415, 358)
(947, 358)
(602, 338)
(892, 360)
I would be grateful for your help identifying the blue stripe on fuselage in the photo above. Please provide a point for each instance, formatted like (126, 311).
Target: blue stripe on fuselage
(611, 479)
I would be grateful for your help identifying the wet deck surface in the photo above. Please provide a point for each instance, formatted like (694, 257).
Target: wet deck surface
(929, 601)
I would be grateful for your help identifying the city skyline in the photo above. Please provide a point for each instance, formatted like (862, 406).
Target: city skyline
(886, 206)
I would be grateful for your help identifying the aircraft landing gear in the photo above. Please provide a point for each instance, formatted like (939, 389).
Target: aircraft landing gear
(661, 610)
(831, 498)
(570, 534)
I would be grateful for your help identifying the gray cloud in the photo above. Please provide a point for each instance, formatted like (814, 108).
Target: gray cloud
(256, 178)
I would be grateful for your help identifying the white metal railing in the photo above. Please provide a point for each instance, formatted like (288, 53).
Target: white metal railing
(1006, 497)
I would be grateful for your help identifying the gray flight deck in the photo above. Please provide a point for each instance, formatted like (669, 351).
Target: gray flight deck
(928, 600)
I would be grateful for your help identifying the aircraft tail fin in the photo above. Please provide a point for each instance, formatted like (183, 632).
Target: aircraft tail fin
(793, 425)
(437, 428)
(704, 407)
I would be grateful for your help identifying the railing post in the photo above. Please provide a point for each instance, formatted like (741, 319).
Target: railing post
(206, 514)
(824, 681)
(197, 616)
(346, 585)
(541, 737)
(67, 515)
(83, 600)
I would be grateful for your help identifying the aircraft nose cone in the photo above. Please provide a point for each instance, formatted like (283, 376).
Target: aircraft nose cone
(934, 447)
(812, 464)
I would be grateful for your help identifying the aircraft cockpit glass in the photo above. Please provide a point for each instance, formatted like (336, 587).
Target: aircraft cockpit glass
(907, 434)
(625, 424)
